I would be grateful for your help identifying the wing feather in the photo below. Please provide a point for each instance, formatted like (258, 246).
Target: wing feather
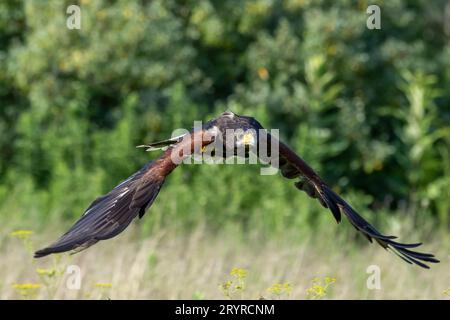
(106, 217)
(110, 214)
(293, 166)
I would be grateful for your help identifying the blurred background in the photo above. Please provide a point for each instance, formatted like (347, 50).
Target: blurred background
(368, 109)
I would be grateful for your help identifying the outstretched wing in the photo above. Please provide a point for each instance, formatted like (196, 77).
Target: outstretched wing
(106, 217)
(110, 214)
(292, 166)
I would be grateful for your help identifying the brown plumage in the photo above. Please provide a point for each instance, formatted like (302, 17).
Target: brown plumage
(109, 215)
(310, 182)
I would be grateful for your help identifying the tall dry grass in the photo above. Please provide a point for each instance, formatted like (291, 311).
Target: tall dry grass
(171, 265)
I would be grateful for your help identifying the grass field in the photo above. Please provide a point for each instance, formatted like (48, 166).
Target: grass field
(197, 265)
(367, 109)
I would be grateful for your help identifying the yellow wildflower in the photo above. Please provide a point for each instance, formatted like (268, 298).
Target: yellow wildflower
(319, 287)
(27, 290)
(27, 286)
(316, 291)
(447, 292)
(46, 272)
(21, 233)
(103, 285)
(239, 273)
(330, 279)
(279, 288)
(236, 285)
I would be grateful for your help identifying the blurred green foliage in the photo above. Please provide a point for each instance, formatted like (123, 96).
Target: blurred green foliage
(369, 109)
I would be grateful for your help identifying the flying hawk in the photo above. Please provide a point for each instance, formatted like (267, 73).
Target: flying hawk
(110, 214)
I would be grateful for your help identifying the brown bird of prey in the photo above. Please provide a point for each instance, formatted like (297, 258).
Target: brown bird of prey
(110, 214)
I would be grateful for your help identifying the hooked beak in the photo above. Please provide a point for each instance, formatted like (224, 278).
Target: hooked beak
(248, 139)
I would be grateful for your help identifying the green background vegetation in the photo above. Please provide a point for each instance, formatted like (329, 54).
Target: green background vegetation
(368, 109)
